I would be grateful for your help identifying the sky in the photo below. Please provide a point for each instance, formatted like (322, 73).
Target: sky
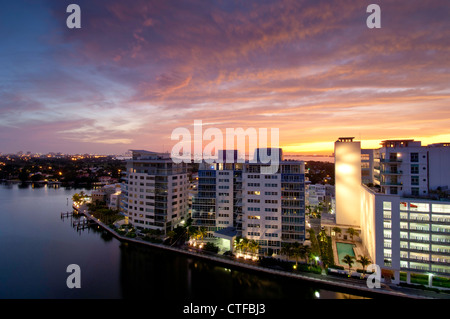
(137, 70)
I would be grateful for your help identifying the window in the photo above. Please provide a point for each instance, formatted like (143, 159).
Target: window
(415, 191)
(251, 233)
(414, 169)
(414, 180)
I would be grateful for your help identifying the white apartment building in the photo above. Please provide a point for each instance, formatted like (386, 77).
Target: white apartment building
(155, 191)
(401, 233)
(406, 168)
(268, 208)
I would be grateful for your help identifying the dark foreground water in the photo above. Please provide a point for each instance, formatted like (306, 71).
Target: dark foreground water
(36, 246)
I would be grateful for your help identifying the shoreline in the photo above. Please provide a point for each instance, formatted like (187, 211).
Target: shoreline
(231, 263)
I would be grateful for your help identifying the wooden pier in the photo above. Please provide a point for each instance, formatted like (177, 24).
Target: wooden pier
(66, 214)
(81, 224)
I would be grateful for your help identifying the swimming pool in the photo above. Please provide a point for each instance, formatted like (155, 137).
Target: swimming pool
(344, 249)
(347, 249)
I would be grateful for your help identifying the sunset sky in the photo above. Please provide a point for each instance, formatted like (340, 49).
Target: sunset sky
(137, 70)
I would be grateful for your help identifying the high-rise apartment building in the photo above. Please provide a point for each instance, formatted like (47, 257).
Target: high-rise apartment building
(268, 208)
(407, 168)
(155, 191)
(403, 229)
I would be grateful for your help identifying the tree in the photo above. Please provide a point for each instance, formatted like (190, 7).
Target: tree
(364, 261)
(244, 241)
(337, 230)
(298, 250)
(253, 246)
(286, 250)
(171, 234)
(305, 251)
(349, 260)
(352, 232)
(202, 233)
(238, 244)
(192, 232)
(323, 236)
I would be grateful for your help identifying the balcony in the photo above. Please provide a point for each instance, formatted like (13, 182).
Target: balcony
(390, 160)
(440, 231)
(391, 183)
(418, 239)
(444, 221)
(440, 251)
(389, 172)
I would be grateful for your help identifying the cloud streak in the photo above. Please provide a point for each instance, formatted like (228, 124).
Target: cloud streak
(136, 71)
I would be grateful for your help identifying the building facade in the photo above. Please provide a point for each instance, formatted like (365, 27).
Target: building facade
(155, 191)
(401, 232)
(267, 208)
(406, 168)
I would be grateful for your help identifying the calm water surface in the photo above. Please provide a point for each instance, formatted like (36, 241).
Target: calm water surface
(36, 246)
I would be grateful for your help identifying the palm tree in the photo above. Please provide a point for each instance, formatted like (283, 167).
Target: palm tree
(192, 232)
(286, 250)
(245, 244)
(171, 234)
(349, 260)
(364, 261)
(305, 252)
(253, 246)
(337, 230)
(238, 244)
(202, 233)
(297, 251)
(352, 232)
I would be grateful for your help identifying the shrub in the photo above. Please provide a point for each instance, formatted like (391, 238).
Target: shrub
(336, 267)
(211, 247)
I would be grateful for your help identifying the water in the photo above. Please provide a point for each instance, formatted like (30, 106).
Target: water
(36, 246)
(346, 249)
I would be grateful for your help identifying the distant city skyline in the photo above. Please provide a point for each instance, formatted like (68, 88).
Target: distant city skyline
(137, 70)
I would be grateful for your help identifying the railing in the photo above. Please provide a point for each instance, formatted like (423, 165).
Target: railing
(390, 160)
(391, 183)
(388, 172)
